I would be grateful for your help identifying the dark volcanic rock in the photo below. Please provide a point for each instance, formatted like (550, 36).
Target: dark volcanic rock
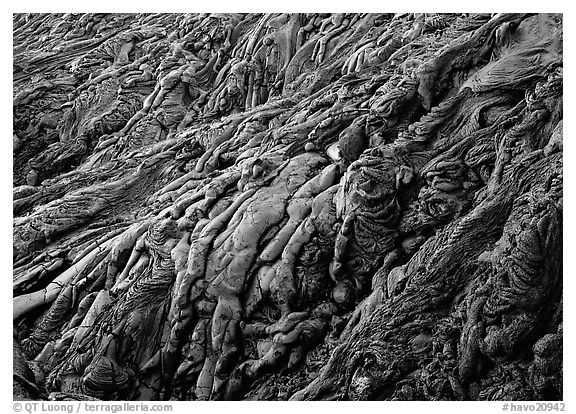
(288, 206)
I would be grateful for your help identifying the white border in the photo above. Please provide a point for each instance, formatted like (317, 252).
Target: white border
(9, 7)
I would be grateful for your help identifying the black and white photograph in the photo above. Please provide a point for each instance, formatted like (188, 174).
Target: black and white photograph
(354, 206)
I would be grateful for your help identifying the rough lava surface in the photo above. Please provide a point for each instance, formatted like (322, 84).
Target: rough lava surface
(287, 206)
